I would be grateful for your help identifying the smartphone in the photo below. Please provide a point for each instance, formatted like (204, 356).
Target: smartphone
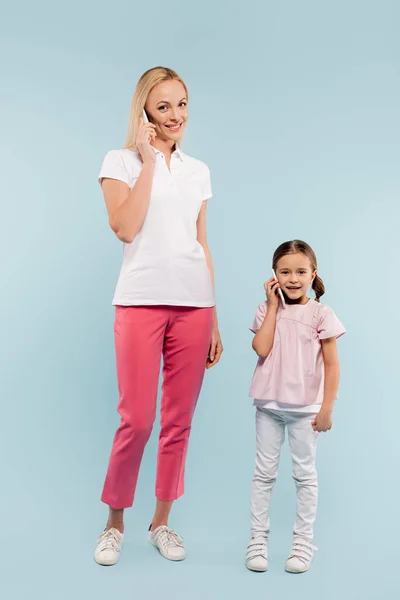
(145, 117)
(279, 290)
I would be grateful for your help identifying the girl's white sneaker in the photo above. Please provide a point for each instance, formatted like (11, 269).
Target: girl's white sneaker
(300, 557)
(257, 554)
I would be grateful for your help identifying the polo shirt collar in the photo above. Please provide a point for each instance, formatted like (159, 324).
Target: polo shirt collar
(177, 151)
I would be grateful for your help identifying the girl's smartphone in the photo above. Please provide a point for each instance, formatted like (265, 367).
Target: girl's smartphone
(279, 290)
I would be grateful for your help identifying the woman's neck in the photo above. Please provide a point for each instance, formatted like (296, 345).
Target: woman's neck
(164, 146)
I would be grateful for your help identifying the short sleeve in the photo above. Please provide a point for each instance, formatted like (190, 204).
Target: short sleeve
(329, 325)
(206, 190)
(259, 317)
(113, 167)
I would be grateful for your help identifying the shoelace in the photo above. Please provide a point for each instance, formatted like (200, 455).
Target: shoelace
(256, 548)
(302, 550)
(169, 538)
(109, 541)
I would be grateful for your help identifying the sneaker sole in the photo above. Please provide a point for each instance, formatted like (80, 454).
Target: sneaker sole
(104, 563)
(256, 570)
(295, 572)
(164, 556)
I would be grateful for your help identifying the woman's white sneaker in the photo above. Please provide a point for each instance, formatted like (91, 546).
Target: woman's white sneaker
(168, 542)
(108, 548)
(300, 557)
(257, 554)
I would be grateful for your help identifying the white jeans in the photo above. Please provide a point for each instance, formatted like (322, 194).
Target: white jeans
(270, 429)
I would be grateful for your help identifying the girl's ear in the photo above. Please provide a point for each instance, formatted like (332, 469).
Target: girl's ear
(313, 277)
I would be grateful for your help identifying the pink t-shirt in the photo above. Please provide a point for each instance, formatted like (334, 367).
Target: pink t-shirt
(293, 372)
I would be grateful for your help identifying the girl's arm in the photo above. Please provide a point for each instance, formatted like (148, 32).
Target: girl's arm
(264, 338)
(216, 346)
(323, 421)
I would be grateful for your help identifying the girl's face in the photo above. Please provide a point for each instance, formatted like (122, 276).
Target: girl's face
(167, 108)
(295, 274)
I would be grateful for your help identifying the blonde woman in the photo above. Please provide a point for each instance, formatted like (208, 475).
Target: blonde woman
(156, 198)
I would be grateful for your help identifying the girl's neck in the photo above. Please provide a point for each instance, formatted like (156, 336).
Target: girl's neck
(300, 301)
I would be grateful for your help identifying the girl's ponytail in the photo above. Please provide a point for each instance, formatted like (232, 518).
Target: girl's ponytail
(318, 287)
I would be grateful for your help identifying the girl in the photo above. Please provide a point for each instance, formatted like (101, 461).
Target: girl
(156, 198)
(294, 386)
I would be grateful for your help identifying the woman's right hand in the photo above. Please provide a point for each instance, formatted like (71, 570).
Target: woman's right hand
(271, 287)
(145, 136)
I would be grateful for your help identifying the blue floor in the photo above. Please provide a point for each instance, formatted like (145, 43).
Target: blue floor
(48, 552)
(59, 566)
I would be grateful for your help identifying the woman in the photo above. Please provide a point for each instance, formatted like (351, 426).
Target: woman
(156, 198)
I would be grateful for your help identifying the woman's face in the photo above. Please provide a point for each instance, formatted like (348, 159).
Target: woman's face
(167, 108)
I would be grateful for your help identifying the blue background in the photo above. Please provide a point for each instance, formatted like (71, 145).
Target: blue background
(295, 107)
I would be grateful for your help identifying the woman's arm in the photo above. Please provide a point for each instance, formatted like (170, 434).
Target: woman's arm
(202, 237)
(216, 347)
(323, 421)
(126, 208)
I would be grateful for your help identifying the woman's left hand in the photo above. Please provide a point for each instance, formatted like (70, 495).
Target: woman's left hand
(216, 348)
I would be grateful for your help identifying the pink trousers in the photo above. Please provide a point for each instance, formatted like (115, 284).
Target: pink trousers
(143, 334)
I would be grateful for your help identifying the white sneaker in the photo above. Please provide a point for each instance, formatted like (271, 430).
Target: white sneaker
(168, 542)
(108, 547)
(257, 554)
(300, 557)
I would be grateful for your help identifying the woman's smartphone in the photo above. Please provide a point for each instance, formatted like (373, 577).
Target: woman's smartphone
(279, 290)
(145, 117)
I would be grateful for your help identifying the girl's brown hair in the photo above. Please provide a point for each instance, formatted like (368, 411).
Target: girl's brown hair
(300, 247)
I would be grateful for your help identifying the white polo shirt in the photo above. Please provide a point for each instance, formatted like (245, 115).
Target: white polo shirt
(165, 264)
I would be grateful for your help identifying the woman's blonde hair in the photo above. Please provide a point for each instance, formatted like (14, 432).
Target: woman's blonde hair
(146, 83)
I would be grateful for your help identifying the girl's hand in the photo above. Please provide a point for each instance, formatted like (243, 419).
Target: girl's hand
(271, 286)
(216, 348)
(323, 421)
(146, 135)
